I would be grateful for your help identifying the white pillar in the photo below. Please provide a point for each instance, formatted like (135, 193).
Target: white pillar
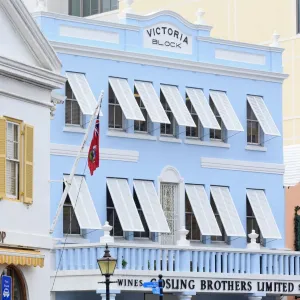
(111, 296)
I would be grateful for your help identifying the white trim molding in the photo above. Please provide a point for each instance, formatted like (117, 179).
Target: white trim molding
(240, 165)
(207, 143)
(76, 129)
(256, 148)
(138, 136)
(172, 63)
(105, 153)
(170, 139)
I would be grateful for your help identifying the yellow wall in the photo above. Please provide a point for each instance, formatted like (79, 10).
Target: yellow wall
(252, 22)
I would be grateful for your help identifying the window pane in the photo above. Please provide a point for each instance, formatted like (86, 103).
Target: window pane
(188, 207)
(66, 219)
(105, 5)
(76, 113)
(117, 225)
(249, 132)
(255, 132)
(68, 112)
(118, 117)
(94, 7)
(114, 4)
(298, 16)
(12, 171)
(74, 8)
(75, 228)
(111, 114)
(195, 229)
(188, 225)
(86, 4)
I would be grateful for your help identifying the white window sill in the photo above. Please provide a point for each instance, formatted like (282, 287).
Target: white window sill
(139, 136)
(170, 139)
(74, 239)
(76, 129)
(207, 143)
(256, 148)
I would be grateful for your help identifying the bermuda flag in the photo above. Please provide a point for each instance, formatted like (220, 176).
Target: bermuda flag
(93, 156)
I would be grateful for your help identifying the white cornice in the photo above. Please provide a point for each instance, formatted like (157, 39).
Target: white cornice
(30, 74)
(239, 44)
(105, 153)
(28, 29)
(171, 14)
(167, 62)
(81, 20)
(240, 165)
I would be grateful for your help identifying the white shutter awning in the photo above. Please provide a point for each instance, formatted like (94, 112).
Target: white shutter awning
(177, 105)
(82, 92)
(124, 204)
(263, 115)
(83, 204)
(227, 211)
(202, 210)
(151, 206)
(126, 99)
(151, 101)
(226, 111)
(202, 108)
(263, 214)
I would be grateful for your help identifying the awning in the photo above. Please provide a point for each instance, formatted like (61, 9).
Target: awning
(202, 210)
(263, 115)
(126, 99)
(202, 108)
(227, 211)
(151, 102)
(82, 92)
(124, 204)
(21, 257)
(263, 214)
(83, 204)
(226, 111)
(151, 206)
(177, 105)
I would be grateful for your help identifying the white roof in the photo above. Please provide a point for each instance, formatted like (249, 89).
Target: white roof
(83, 204)
(177, 105)
(292, 165)
(151, 206)
(126, 99)
(263, 115)
(151, 102)
(226, 111)
(227, 211)
(202, 108)
(263, 214)
(124, 204)
(202, 210)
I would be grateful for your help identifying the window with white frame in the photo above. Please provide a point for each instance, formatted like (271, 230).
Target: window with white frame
(70, 222)
(253, 127)
(146, 233)
(217, 134)
(12, 159)
(191, 223)
(193, 132)
(141, 126)
(221, 238)
(115, 114)
(84, 8)
(252, 222)
(73, 114)
(112, 216)
(167, 129)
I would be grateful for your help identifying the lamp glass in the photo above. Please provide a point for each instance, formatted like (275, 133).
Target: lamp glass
(107, 265)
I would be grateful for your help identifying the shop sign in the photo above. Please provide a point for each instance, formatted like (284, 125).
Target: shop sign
(218, 285)
(2, 236)
(167, 37)
(5, 287)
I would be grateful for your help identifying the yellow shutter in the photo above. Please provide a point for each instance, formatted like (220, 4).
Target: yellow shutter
(2, 157)
(28, 164)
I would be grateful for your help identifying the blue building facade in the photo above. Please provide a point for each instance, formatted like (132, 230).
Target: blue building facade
(191, 160)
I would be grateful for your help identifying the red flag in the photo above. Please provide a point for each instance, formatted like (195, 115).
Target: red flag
(94, 157)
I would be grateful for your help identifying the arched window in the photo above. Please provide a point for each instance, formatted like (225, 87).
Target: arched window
(18, 283)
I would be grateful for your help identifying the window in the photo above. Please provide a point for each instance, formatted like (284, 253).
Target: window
(253, 127)
(115, 119)
(12, 159)
(193, 132)
(167, 129)
(70, 222)
(146, 233)
(251, 222)
(191, 222)
(73, 114)
(219, 221)
(112, 216)
(298, 16)
(141, 126)
(84, 8)
(217, 134)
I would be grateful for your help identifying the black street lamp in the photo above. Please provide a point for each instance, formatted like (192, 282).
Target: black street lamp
(107, 265)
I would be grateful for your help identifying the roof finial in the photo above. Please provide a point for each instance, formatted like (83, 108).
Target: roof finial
(41, 5)
(200, 17)
(276, 37)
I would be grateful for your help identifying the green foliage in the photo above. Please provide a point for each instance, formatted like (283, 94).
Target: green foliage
(297, 228)
(124, 263)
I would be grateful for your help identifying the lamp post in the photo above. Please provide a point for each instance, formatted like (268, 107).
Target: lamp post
(107, 265)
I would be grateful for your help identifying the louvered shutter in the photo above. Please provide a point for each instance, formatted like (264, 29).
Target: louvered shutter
(28, 164)
(2, 157)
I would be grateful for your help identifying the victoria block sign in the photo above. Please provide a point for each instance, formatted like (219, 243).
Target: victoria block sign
(167, 37)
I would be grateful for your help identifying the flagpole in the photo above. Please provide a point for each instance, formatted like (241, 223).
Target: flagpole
(70, 177)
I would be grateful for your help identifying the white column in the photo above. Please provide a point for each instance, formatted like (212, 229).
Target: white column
(111, 296)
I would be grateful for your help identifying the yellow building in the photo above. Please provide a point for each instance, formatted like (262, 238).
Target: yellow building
(252, 22)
